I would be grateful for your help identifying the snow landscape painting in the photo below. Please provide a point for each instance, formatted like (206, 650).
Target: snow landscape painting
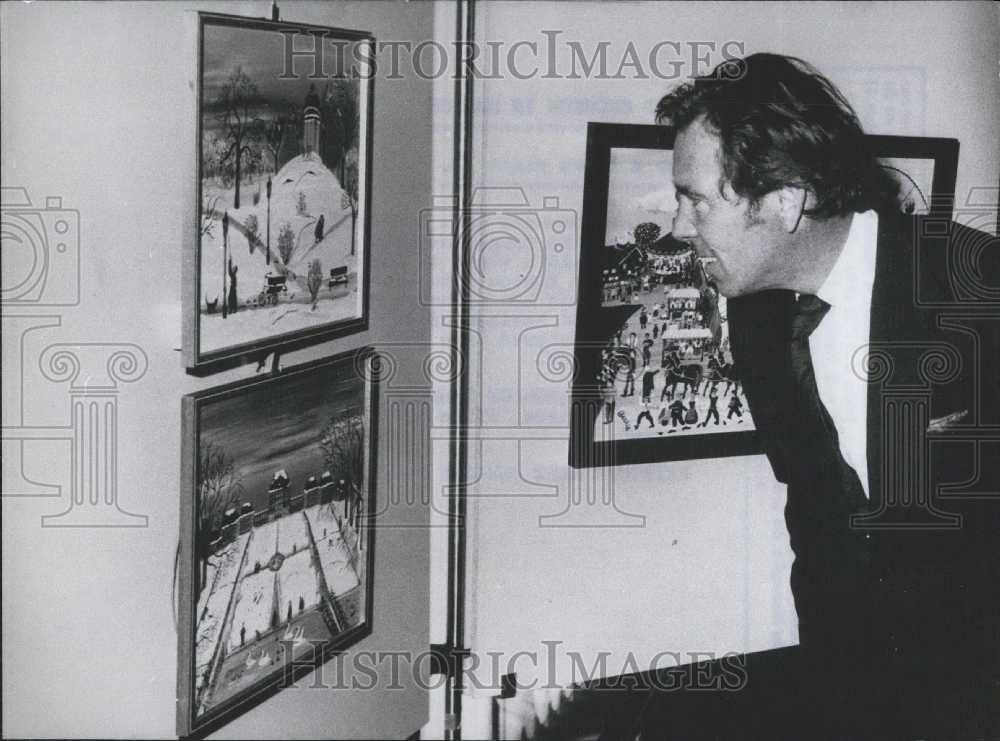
(283, 194)
(281, 548)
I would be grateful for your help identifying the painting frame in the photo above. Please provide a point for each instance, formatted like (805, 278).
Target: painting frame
(208, 345)
(353, 374)
(595, 323)
(937, 197)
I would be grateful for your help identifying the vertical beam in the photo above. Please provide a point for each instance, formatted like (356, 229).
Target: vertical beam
(459, 393)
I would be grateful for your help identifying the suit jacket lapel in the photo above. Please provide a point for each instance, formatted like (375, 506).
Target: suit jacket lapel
(895, 323)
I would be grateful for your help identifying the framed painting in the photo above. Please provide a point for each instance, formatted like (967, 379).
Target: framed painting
(276, 555)
(284, 146)
(921, 169)
(654, 377)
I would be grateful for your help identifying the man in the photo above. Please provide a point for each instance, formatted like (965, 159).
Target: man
(690, 416)
(779, 195)
(676, 413)
(647, 349)
(713, 409)
(648, 379)
(735, 407)
(645, 414)
(608, 396)
(629, 388)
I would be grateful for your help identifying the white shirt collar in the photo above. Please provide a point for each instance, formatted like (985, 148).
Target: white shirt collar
(855, 262)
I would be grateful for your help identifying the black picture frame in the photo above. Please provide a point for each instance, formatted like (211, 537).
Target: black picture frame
(597, 324)
(252, 554)
(306, 200)
(925, 168)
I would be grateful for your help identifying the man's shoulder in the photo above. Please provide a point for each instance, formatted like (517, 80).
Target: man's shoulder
(949, 263)
(931, 272)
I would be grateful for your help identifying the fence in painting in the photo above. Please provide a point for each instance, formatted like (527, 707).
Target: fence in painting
(281, 501)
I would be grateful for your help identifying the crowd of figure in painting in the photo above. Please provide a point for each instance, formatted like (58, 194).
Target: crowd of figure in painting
(674, 346)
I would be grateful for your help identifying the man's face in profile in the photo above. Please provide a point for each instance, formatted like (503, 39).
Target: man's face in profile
(745, 243)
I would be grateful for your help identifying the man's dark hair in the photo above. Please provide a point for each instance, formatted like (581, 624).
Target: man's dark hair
(781, 123)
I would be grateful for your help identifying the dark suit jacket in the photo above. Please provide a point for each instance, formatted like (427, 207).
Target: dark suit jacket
(934, 510)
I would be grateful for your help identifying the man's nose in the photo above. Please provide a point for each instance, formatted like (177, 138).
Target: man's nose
(683, 223)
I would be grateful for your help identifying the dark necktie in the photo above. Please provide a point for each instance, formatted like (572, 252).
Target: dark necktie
(829, 574)
(806, 313)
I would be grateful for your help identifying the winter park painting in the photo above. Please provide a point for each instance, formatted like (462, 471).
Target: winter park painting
(283, 188)
(278, 545)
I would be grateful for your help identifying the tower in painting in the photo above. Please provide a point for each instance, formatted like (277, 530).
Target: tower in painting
(310, 123)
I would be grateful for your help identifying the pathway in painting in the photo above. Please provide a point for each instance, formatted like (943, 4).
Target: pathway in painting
(272, 594)
(304, 177)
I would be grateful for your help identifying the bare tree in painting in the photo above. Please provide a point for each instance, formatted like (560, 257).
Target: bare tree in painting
(208, 216)
(646, 233)
(342, 442)
(272, 133)
(252, 227)
(286, 242)
(342, 118)
(237, 101)
(219, 488)
(350, 196)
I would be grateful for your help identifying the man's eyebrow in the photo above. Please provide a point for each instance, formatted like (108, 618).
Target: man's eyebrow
(686, 191)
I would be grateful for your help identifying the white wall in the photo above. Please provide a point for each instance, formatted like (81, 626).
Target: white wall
(708, 570)
(97, 109)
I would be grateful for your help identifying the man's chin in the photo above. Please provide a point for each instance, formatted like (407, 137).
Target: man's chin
(722, 288)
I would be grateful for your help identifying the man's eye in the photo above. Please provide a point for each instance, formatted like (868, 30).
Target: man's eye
(701, 207)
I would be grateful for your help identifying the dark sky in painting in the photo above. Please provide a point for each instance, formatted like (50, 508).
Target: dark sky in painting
(261, 55)
(278, 425)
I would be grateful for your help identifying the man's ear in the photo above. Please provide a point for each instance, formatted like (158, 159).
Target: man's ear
(791, 205)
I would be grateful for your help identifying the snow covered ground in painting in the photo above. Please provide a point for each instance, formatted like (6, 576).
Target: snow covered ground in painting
(323, 196)
(263, 545)
(297, 579)
(350, 536)
(292, 534)
(322, 520)
(222, 569)
(334, 555)
(253, 608)
(211, 570)
(213, 601)
(252, 587)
